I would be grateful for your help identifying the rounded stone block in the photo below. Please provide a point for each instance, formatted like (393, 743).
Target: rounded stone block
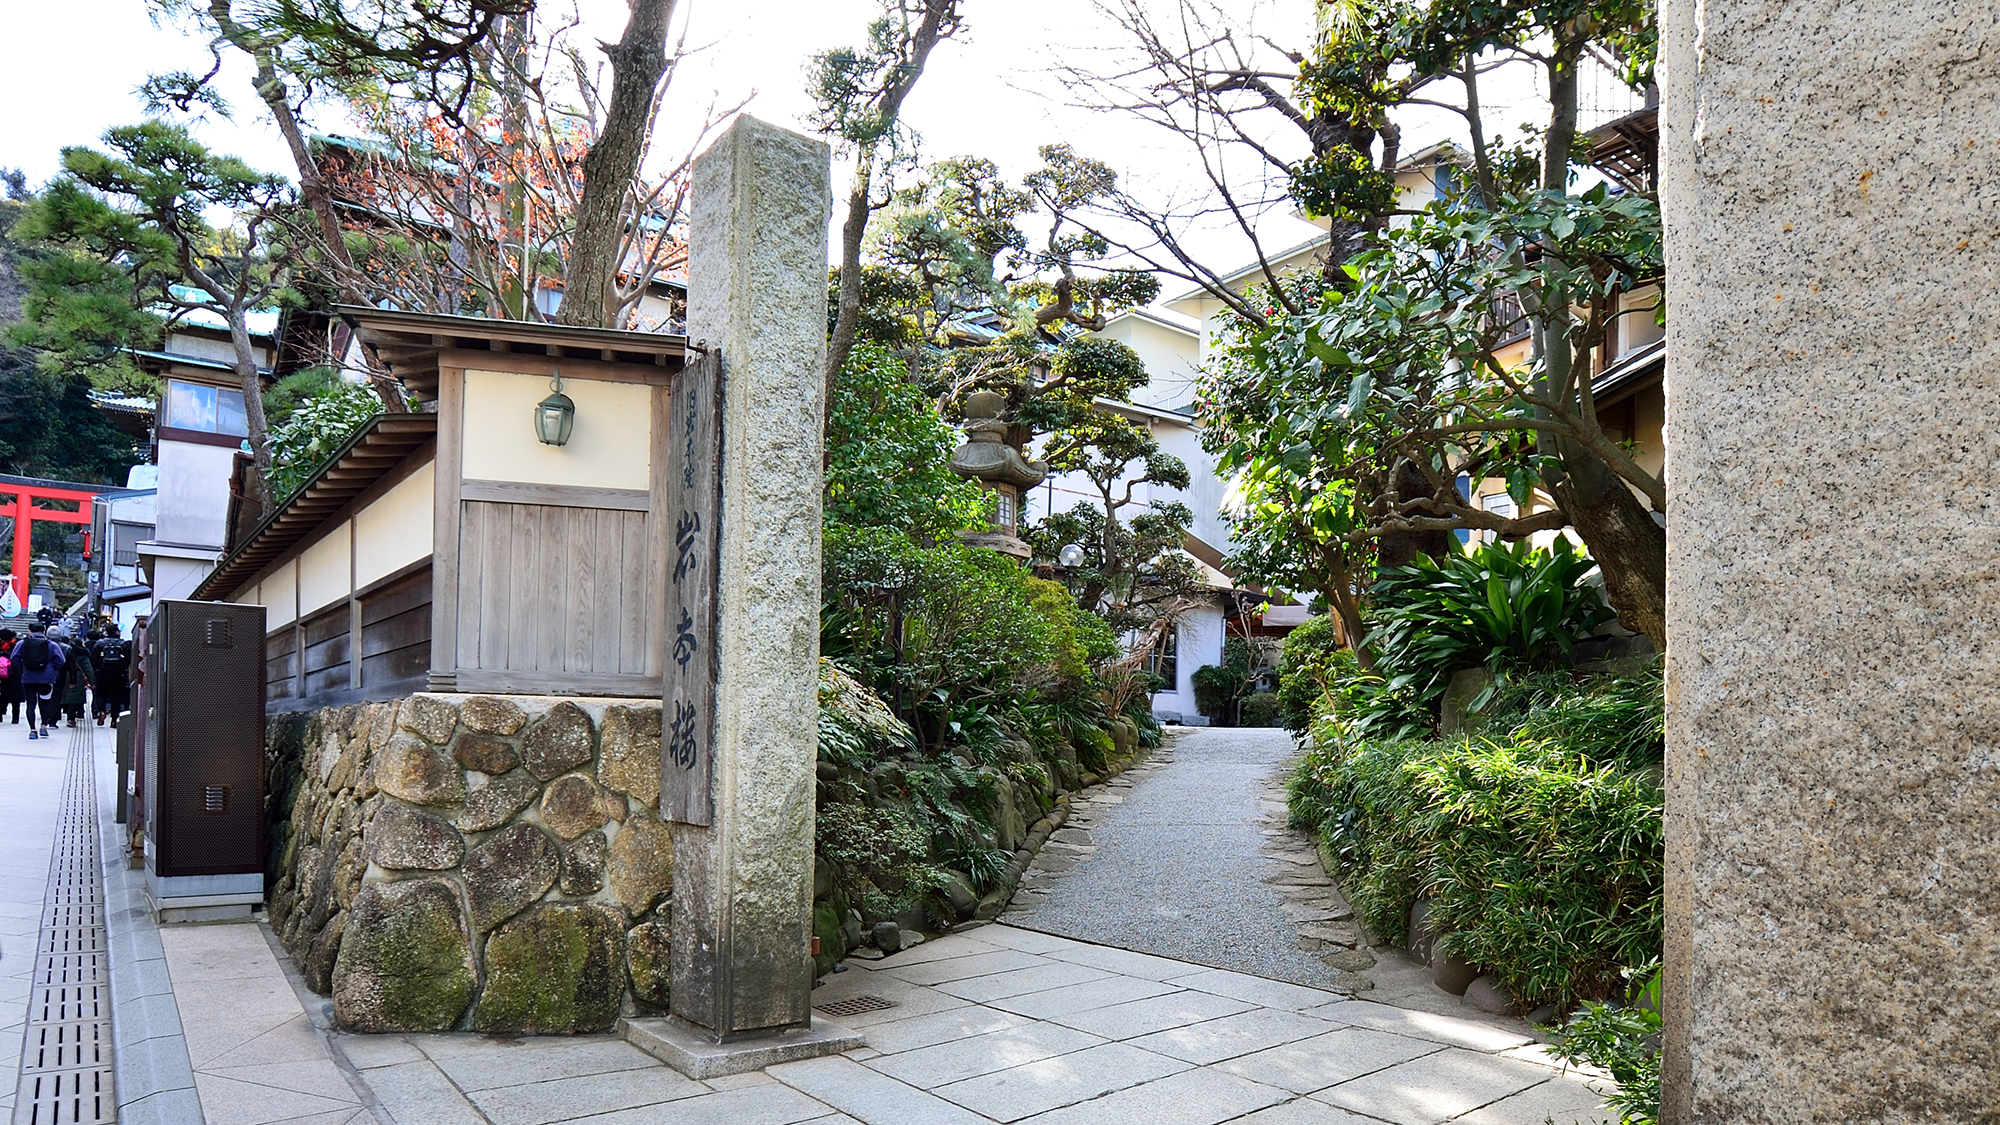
(485, 753)
(559, 743)
(642, 863)
(629, 752)
(511, 869)
(649, 962)
(405, 839)
(490, 805)
(409, 769)
(556, 970)
(405, 960)
(574, 805)
(488, 715)
(429, 718)
(583, 866)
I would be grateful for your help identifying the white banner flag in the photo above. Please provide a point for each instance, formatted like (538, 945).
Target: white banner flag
(10, 605)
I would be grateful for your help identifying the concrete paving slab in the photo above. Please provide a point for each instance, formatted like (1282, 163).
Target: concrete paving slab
(876, 1098)
(930, 1067)
(1324, 1060)
(914, 1032)
(567, 1099)
(1305, 1111)
(979, 964)
(1154, 1013)
(1058, 1002)
(1215, 1040)
(1434, 1088)
(1259, 991)
(1023, 1091)
(1422, 1025)
(1192, 1097)
(1027, 941)
(503, 1062)
(1020, 982)
(1563, 1101)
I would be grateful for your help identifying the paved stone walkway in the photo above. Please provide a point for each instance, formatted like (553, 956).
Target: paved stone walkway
(1170, 858)
(993, 1024)
(1000, 1024)
(1188, 855)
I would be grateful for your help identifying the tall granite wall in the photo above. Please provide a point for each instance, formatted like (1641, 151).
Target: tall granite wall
(475, 862)
(1831, 188)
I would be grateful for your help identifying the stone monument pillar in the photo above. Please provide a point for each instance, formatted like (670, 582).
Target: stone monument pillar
(1831, 187)
(743, 835)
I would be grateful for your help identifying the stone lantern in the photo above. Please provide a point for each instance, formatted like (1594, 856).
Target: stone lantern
(987, 458)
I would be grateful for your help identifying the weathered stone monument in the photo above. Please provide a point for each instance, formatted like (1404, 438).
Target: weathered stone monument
(1831, 189)
(739, 732)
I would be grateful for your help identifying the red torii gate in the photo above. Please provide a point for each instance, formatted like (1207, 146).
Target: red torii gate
(19, 497)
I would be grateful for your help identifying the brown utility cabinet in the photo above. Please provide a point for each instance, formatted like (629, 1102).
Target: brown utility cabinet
(204, 760)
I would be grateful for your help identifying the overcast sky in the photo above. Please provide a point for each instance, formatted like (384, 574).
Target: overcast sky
(991, 92)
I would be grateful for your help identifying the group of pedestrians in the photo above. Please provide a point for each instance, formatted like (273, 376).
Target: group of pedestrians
(49, 672)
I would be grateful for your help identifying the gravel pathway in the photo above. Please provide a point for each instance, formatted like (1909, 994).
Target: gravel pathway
(1187, 856)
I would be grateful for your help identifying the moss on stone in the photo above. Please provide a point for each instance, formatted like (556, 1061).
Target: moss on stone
(555, 970)
(405, 961)
(648, 960)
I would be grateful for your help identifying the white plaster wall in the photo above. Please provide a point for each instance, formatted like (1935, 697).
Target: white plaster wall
(395, 530)
(611, 446)
(176, 578)
(1172, 357)
(326, 569)
(279, 594)
(1200, 643)
(1204, 494)
(193, 498)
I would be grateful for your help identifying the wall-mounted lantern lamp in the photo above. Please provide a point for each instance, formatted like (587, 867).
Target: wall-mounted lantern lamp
(555, 416)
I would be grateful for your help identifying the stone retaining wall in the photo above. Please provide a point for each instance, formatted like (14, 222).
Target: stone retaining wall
(474, 862)
(496, 863)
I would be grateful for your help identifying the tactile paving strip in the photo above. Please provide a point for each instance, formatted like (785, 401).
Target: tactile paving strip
(66, 1054)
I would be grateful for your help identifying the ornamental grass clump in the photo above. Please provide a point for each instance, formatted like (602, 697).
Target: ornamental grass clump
(1540, 851)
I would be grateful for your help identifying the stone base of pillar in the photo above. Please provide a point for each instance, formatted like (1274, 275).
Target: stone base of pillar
(696, 1054)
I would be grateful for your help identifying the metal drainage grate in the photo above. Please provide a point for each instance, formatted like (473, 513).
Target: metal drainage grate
(855, 1005)
(66, 1051)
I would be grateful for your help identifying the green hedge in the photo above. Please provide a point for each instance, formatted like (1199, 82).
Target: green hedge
(1541, 853)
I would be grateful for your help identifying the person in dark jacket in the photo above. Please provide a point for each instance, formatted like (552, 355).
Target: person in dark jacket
(10, 684)
(41, 670)
(79, 676)
(112, 655)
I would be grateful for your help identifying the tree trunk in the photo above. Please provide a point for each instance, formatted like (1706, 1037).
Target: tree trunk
(1401, 548)
(1630, 548)
(312, 186)
(638, 62)
(257, 482)
(847, 320)
(936, 14)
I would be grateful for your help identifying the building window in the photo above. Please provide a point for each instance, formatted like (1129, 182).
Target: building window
(1165, 662)
(1500, 504)
(209, 410)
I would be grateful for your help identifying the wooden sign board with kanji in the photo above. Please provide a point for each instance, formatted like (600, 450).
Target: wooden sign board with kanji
(694, 518)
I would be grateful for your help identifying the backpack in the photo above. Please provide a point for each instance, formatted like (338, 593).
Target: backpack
(35, 653)
(6, 667)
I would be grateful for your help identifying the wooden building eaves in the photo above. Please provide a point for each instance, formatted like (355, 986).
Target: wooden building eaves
(382, 444)
(410, 343)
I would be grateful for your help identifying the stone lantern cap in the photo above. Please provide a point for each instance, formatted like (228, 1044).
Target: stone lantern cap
(986, 456)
